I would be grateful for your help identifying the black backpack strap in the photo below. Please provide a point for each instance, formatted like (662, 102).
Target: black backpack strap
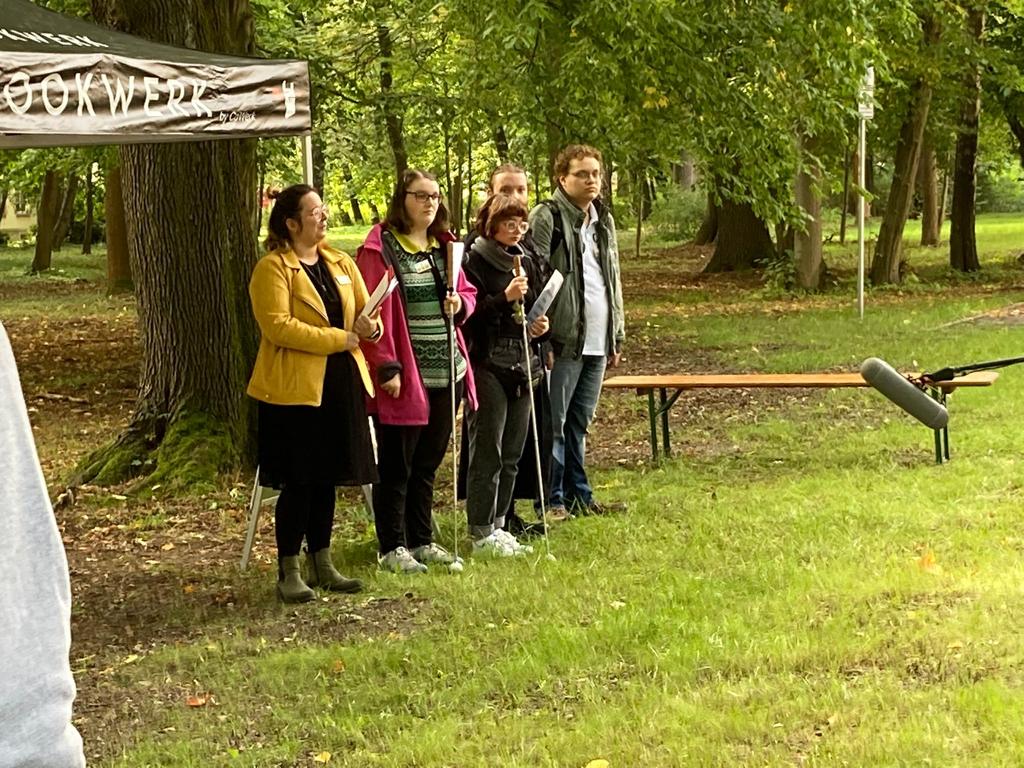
(557, 236)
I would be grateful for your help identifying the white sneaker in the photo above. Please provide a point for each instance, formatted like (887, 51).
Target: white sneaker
(400, 560)
(435, 554)
(513, 543)
(493, 545)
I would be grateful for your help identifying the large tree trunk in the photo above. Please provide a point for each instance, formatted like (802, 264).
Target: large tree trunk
(743, 239)
(46, 217)
(885, 266)
(963, 247)
(389, 103)
(90, 203)
(119, 272)
(67, 211)
(928, 183)
(191, 256)
(807, 248)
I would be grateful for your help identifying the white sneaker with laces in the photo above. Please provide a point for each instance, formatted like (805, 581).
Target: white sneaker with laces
(513, 543)
(400, 560)
(435, 554)
(493, 545)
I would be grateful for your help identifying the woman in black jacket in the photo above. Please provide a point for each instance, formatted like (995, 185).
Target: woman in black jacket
(497, 352)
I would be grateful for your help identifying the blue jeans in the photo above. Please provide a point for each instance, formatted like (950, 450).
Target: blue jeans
(575, 389)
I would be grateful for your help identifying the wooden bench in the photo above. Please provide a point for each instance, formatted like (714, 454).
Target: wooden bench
(647, 385)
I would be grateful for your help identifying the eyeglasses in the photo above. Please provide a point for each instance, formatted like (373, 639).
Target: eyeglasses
(422, 197)
(323, 213)
(514, 227)
(584, 175)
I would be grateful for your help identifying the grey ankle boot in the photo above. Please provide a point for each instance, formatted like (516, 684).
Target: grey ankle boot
(290, 586)
(323, 574)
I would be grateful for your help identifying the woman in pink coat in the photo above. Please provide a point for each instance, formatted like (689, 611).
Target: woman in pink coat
(411, 367)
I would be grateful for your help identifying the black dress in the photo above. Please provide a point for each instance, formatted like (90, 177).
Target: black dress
(327, 444)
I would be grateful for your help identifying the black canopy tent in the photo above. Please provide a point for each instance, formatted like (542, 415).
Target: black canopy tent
(67, 82)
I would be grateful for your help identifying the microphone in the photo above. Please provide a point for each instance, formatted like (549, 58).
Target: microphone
(888, 381)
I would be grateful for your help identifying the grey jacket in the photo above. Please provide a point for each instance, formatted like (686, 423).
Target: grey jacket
(36, 687)
(568, 320)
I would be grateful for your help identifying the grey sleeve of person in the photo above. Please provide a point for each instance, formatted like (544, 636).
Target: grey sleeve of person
(618, 310)
(541, 225)
(36, 686)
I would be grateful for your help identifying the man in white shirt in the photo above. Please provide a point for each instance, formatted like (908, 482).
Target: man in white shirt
(576, 234)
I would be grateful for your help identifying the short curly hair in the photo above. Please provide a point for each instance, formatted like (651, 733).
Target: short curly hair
(575, 152)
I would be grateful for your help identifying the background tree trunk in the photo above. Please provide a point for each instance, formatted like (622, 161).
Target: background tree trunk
(501, 144)
(928, 183)
(191, 257)
(67, 211)
(1017, 129)
(392, 119)
(90, 203)
(807, 248)
(963, 247)
(709, 227)
(45, 221)
(885, 266)
(3, 203)
(119, 273)
(743, 239)
(353, 201)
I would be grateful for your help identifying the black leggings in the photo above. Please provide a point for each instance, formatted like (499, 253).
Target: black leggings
(304, 511)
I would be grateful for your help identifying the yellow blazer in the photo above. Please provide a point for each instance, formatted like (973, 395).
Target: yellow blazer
(297, 337)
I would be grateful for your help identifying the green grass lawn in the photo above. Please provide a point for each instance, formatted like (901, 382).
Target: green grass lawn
(801, 585)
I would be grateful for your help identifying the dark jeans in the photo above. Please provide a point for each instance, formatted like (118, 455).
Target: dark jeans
(303, 511)
(407, 459)
(497, 433)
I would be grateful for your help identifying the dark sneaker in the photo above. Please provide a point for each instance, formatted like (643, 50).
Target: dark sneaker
(522, 529)
(598, 508)
(558, 514)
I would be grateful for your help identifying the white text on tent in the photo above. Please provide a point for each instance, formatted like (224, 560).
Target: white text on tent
(54, 93)
(80, 41)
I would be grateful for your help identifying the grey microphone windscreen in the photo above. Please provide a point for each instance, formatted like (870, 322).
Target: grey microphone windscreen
(887, 380)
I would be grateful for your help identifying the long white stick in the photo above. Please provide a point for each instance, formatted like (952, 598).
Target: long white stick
(455, 437)
(536, 441)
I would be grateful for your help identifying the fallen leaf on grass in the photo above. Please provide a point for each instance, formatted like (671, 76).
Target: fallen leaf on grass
(339, 667)
(198, 701)
(598, 764)
(927, 563)
(323, 757)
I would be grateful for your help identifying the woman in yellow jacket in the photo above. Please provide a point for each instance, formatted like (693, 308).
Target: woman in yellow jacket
(311, 381)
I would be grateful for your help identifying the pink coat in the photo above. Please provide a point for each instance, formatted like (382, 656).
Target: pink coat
(411, 407)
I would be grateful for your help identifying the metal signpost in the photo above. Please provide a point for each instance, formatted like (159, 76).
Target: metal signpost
(866, 108)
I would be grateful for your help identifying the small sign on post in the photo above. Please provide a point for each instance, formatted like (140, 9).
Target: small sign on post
(866, 95)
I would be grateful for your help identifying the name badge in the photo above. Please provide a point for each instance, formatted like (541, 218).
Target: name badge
(422, 266)
(344, 280)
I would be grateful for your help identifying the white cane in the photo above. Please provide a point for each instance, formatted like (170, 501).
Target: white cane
(533, 422)
(454, 259)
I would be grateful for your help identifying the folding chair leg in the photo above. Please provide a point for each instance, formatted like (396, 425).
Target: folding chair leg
(255, 504)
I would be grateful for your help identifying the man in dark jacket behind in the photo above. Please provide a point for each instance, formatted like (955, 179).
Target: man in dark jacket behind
(575, 233)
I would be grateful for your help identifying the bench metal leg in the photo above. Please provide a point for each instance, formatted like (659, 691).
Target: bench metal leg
(941, 435)
(664, 423)
(652, 415)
